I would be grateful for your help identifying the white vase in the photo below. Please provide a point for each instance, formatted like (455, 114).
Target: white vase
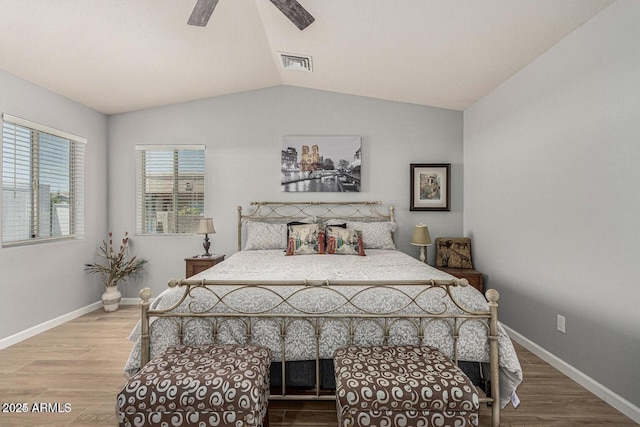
(111, 298)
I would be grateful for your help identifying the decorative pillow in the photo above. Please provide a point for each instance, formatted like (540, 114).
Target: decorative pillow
(453, 252)
(305, 239)
(302, 222)
(342, 241)
(264, 235)
(376, 235)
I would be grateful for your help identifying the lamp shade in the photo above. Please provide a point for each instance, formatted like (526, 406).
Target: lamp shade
(421, 236)
(206, 226)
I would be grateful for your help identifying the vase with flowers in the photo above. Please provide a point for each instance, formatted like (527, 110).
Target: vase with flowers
(115, 267)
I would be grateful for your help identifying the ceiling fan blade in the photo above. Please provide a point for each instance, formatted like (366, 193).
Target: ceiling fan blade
(295, 12)
(202, 12)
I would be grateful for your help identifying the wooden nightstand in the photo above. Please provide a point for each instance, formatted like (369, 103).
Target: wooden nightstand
(474, 277)
(198, 264)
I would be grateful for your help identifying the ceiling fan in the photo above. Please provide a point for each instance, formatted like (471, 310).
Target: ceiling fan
(290, 8)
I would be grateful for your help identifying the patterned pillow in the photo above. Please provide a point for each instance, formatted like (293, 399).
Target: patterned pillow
(305, 239)
(304, 221)
(264, 235)
(376, 235)
(453, 252)
(341, 241)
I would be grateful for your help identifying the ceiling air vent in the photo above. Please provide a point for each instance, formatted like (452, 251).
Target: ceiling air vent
(296, 62)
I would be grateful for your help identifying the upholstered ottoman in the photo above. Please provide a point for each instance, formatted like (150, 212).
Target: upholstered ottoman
(209, 385)
(402, 386)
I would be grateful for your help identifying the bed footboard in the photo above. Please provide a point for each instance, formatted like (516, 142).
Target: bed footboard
(415, 323)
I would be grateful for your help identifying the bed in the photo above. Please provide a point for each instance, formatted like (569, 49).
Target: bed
(314, 277)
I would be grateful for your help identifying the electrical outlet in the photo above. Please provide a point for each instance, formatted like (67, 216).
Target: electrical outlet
(561, 324)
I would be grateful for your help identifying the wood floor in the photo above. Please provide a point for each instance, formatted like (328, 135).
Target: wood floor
(80, 364)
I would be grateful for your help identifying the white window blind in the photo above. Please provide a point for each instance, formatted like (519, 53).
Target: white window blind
(169, 188)
(42, 183)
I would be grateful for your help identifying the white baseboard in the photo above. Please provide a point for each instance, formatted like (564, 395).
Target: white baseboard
(613, 399)
(35, 330)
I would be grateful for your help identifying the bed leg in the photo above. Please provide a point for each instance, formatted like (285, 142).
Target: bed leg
(493, 296)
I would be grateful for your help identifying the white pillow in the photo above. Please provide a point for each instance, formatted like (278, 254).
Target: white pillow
(375, 235)
(265, 235)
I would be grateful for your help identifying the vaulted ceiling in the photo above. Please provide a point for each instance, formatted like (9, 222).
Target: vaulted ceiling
(122, 55)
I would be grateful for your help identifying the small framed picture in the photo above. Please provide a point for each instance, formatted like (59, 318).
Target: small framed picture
(430, 186)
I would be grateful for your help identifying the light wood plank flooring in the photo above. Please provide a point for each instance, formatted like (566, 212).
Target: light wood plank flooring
(80, 363)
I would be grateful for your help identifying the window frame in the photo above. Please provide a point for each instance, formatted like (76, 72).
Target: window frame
(40, 169)
(143, 213)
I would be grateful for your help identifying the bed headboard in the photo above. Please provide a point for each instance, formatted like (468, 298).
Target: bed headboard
(278, 212)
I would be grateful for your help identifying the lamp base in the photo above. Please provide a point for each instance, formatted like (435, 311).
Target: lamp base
(206, 245)
(423, 255)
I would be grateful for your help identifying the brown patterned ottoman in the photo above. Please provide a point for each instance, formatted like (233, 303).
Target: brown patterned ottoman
(208, 385)
(402, 386)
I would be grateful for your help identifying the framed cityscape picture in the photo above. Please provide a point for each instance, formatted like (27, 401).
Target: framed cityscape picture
(430, 187)
(321, 164)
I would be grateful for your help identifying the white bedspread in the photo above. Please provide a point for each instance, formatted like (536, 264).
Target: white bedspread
(378, 265)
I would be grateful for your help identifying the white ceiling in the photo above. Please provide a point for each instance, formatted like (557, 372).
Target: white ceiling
(122, 55)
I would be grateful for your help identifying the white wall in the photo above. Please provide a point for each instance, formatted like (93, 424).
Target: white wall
(243, 138)
(552, 197)
(41, 282)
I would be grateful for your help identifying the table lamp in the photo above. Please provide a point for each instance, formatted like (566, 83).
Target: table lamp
(206, 227)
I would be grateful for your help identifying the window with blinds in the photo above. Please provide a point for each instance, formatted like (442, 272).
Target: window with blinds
(169, 188)
(42, 183)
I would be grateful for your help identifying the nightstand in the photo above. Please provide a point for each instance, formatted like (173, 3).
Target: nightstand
(198, 264)
(474, 277)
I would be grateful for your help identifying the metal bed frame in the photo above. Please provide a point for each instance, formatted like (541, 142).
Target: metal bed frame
(220, 314)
